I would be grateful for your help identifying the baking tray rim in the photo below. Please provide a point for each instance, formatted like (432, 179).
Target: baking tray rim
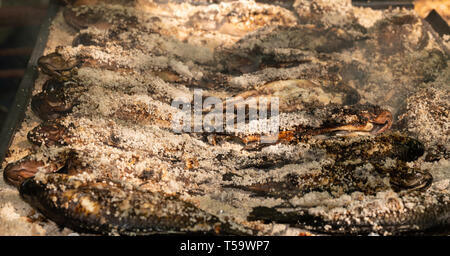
(23, 95)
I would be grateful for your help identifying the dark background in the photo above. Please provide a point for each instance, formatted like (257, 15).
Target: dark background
(20, 21)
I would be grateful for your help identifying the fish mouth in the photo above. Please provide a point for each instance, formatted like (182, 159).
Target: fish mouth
(14, 174)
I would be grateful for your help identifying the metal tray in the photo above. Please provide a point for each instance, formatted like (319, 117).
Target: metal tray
(24, 92)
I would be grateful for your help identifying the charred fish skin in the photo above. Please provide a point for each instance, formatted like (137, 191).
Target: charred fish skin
(49, 133)
(410, 222)
(350, 159)
(343, 177)
(15, 173)
(51, 103)
(107, 208)
(83, 16)
(339, 179)
(50, 106)
(58, 67)
(331, 121)
(394, 145)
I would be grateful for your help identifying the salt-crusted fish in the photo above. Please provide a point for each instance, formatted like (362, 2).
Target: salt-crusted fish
(352, 154)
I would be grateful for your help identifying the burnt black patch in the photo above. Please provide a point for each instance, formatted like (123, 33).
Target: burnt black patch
(85, 39)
